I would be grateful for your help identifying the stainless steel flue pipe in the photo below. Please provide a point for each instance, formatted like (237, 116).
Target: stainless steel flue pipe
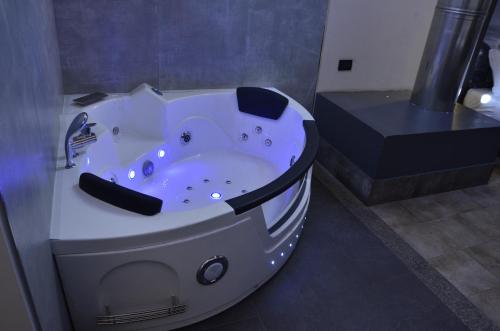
(455, 31)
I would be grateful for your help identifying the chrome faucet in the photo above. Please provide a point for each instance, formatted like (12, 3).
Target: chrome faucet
(79, 124)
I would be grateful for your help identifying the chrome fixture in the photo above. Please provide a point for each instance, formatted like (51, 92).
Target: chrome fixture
(258, 130)
(116, 131)
(79, 124)
(148, 168)
(212, 270)
(268, 142)
(113, 179)
(186, 137)
(455, 32)
(244, 137)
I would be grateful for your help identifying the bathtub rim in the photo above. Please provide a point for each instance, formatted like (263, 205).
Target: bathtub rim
(64, 237)
(255, 198)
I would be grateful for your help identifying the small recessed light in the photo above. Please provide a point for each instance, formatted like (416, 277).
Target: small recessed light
(290, 245)
(485, 98)
(282, 254)
(131, 174)
(161, 153)
(272, 262)
(216, 196)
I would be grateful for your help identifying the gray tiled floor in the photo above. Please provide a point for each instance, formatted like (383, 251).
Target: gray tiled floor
(340, 277)
(459, 234)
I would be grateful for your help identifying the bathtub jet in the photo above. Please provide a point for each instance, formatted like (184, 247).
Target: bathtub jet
(197, 200)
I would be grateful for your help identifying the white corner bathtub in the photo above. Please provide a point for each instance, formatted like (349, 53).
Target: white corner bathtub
(187, 203)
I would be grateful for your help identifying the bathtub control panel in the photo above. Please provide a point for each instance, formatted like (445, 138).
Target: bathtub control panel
(212, 270)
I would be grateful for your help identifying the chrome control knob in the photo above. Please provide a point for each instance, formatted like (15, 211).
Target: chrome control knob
(212, 270)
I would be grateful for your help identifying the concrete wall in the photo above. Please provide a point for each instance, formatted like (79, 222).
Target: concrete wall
(385, 38)
(31, 98)
(114, 45)
(492, 37)
(15, 301)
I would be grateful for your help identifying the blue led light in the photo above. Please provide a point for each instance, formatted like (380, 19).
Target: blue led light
(272, 262)
(216, 196)
(282, 254)
(161, 153)
(290, 245)
(131, 174)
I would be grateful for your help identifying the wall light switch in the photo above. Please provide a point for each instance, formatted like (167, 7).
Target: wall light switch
(345, 65)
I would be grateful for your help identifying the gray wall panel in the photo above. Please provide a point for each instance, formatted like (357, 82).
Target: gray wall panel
(492, 36)
(31, 96)
(114, 45)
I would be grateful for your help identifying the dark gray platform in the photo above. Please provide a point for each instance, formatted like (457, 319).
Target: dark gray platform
(340, 277)
(398, 151)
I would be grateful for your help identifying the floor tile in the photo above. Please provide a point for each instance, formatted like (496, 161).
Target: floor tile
(458, 235)
(426, 238)
(489, 302)
(435, 238)
(485, 220)
(485, 195)
(251, 324)
(243, 311)
(414, 311)
(394, 214)
(340, 277)
(462, 239)
(438, 206)
(495, 175)
(488, 255)
(465, 273)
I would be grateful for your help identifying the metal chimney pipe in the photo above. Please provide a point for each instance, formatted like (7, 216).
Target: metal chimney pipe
(455, 31)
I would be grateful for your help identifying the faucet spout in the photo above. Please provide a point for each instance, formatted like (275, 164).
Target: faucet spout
(76, 125)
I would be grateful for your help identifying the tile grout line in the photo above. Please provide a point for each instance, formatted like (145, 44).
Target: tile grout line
(442, 288)
(473, 256)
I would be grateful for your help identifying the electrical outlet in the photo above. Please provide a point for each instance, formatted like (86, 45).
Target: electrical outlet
(345, 65)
